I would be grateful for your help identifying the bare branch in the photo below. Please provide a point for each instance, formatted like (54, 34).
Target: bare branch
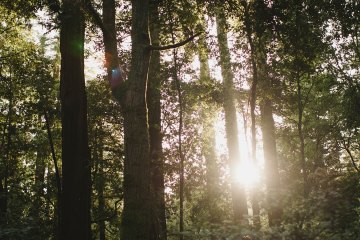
(179, 44)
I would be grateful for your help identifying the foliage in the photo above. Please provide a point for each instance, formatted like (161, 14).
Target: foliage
(308, 56)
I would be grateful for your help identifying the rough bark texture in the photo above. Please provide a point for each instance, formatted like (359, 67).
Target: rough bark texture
(75, 207)
(136, 218)
(238, 191)
(158, 224)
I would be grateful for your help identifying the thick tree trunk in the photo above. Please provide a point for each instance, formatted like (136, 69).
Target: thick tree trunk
(136, 217)
(271, 163)
(75, 207)
(158, 224)
(238, 191)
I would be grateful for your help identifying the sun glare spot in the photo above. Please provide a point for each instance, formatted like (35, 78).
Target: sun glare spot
(248, 174)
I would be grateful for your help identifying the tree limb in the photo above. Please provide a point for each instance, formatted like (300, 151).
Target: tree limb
(57, 172)
(111, 216)
(179, 44)
(95, 16)
(346, 147)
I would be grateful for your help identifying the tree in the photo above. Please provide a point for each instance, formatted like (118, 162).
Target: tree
(154, 106)
(238, 192)
(75, 198)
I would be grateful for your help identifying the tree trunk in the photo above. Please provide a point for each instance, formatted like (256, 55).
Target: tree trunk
(180, 149)
(114, 73)
(271, 164)
(100, 188)
(238, 191)
(158, 225)
(301, 136)
(136, 218)
(75, 207)
(254, 192)
(6, 157)
(208, 137)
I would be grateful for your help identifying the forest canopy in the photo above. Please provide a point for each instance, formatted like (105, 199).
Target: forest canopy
(190, 119)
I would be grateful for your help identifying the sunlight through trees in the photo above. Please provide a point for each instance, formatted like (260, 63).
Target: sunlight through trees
(179, 120)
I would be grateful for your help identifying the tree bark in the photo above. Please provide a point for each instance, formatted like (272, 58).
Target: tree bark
(158, 225)
(238, 191)
(75, 207)
(136, 217)
(115, 75)
(271, 164)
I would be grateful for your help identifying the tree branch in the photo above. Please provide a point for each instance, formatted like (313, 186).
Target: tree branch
(179, 44)
(57, 172)
(111, 216)
(95, 16)
(346, 147)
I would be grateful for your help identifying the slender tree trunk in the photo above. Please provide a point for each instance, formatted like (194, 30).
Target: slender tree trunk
(53, 155)
(238, 191)
(136, 219)
(181, 153)
(39, 184)
(6, 155)
(41, 154)
(208, 137)
(254, 192)
(158, 225)
(301, 136)
(271, 163)
(100, 189)
(115, 76)
(98, 175)
(75, 207)
(300, 105)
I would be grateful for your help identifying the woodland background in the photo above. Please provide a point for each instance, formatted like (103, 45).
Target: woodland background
(149, 144)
